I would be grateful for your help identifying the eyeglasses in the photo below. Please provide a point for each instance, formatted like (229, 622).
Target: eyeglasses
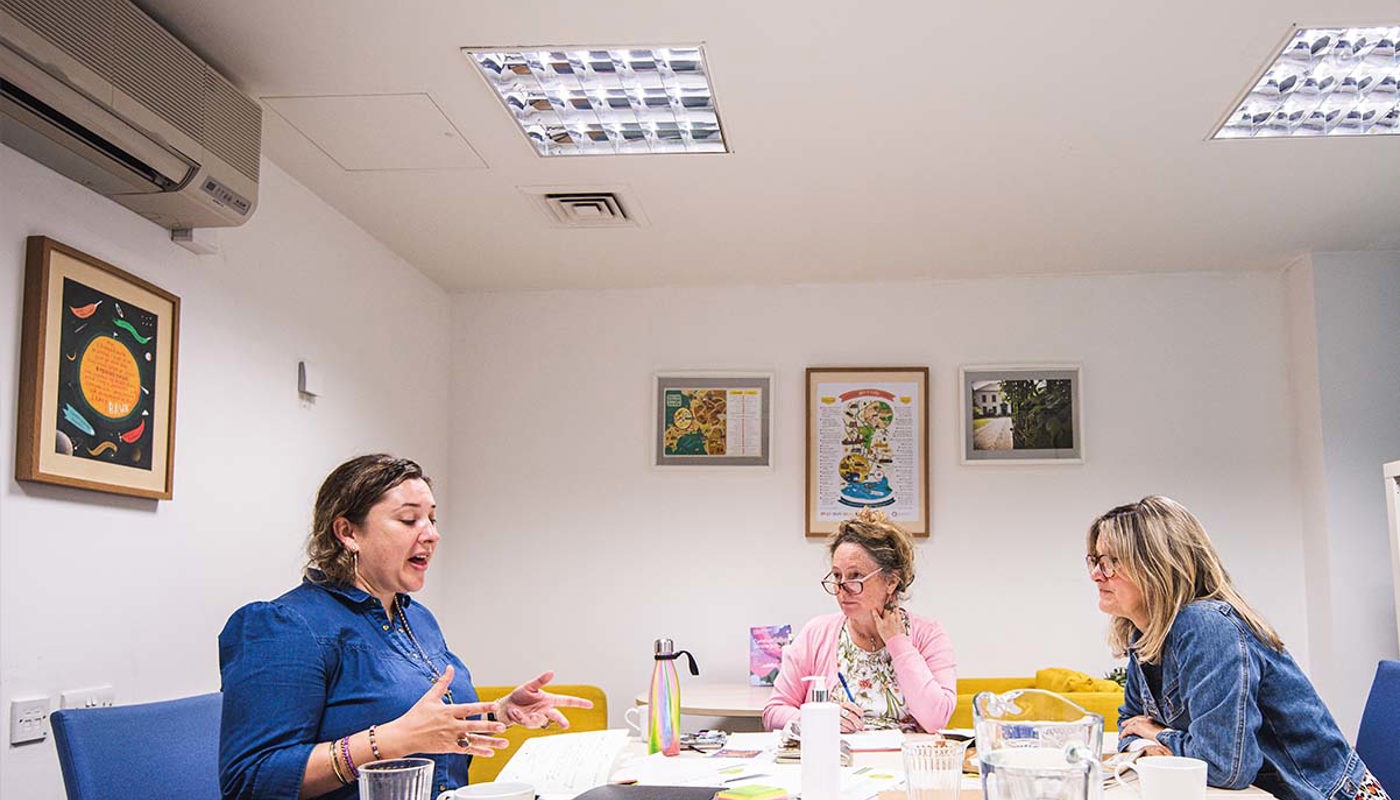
(853, 586)
(1106, 564)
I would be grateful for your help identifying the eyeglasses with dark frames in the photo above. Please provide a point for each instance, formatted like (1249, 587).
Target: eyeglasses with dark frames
(1106, 564)
(833, 585)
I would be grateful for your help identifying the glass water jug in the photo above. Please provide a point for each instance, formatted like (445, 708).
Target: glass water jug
(1036, 745)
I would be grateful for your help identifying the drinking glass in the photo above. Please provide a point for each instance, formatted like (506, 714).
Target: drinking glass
(933, 769)
(397, 779)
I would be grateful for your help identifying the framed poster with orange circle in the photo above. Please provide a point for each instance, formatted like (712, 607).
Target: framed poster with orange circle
(97, 375)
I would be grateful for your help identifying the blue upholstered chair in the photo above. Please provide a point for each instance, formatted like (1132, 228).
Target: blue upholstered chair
(1378, 740)
(153, 751)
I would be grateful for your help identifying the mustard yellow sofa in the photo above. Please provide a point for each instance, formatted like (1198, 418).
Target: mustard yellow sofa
(580, 719)
(1093, 694)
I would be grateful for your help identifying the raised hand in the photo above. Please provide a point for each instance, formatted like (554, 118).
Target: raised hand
(888, 622)
(432, 726)
(532, 707)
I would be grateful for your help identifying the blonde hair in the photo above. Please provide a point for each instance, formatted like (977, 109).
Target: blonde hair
(890, 546)
(1162, 547)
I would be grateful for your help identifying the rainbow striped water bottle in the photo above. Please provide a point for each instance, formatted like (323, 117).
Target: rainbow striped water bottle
(664, 699)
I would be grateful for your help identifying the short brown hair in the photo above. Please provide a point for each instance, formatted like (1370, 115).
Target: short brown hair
(891, 547)
(350, 491)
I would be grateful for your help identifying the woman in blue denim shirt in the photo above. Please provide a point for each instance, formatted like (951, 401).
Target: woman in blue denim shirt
(346, 668)
(1207, 677)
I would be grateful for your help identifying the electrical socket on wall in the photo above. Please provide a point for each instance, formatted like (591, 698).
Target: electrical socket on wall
(29, 720)
(96, 697)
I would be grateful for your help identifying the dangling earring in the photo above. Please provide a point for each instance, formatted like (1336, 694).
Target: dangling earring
(355, 562)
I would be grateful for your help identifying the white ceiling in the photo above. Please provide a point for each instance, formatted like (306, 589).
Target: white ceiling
(870, 141)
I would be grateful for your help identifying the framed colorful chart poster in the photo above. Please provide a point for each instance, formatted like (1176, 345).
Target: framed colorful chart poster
(867, 445)
(712, 420)
(97, 375)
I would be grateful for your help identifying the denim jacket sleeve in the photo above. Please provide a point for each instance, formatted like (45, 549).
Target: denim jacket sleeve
(1132, 701)
(1217, 682)
(274, 684)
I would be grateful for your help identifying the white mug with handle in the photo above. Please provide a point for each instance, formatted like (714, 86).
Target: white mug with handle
(638, 721)
(1166, 777)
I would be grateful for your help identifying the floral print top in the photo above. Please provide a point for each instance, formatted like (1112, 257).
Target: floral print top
(873, 683)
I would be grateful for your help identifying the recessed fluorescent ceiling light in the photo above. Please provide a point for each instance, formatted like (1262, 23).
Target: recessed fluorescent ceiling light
(599, 101)
(1325, 82)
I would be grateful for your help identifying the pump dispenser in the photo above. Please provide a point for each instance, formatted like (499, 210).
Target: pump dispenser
(821, 744)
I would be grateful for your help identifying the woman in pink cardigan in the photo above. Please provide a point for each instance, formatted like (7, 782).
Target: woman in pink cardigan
(899, 667)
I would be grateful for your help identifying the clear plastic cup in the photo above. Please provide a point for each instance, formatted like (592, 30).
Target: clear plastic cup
(397, 779)
(933, 769)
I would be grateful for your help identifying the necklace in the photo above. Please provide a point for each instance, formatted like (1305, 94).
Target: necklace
(432, 668)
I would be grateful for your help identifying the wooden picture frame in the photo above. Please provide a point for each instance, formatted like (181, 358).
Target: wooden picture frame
(98, 356)
(1019, 414)
(712, 419)
(867, 446)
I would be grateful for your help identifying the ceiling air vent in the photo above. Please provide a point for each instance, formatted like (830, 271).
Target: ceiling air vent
(600, 210)
(568, 207)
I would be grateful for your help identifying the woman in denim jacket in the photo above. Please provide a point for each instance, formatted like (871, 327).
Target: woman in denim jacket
(1207, 677)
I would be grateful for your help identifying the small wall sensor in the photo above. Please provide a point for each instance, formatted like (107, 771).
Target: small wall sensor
(200, 241)
(309, 380)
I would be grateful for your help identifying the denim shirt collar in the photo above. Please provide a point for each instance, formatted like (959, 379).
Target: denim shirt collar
(351, 595)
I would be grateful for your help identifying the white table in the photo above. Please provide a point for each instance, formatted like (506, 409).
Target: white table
(891, 761)
(721, 699)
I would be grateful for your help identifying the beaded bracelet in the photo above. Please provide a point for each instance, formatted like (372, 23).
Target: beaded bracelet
(373, 745)
(349, 762)
(335, 764)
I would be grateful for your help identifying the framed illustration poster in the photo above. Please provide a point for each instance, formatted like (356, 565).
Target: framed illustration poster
(713, 420)
(98, 354)
(1021, 415)
(867, 446)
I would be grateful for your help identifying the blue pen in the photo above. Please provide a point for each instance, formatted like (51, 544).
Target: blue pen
(846, 686)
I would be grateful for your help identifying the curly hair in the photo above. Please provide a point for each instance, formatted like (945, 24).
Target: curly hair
(890, 546)
(350, 491)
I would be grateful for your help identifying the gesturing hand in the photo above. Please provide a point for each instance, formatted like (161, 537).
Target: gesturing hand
(532, 707)
(432, 726)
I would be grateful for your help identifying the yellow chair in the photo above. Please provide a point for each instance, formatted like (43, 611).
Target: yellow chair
(1092, 694)
(580, 719)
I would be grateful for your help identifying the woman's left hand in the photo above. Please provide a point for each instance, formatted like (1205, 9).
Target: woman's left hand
(1142, 726)
(889, 623)
(531, 706)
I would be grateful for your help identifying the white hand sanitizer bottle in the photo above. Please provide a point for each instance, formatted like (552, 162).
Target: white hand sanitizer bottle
(821, 744)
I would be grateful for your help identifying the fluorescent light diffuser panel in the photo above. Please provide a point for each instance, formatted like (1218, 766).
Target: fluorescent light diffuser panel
(1325, 82)
(607, 101)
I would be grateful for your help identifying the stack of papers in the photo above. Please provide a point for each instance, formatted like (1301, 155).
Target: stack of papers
(567, 764)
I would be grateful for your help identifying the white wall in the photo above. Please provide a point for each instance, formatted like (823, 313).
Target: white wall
(1350, 425)
(576, 553)
(96, 588)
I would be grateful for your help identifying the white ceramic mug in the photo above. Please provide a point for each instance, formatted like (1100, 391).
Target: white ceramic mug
(491, 790)
(1167, 777)
(638, 721)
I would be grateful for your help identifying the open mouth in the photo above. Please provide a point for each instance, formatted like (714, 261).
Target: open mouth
(420, 560)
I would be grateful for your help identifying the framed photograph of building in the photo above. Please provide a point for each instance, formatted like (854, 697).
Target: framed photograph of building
(98, 355)
(1021, 415)
(867, 446)
(712, 420)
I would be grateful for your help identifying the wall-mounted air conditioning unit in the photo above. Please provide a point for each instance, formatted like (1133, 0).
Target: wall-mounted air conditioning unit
(100, 92)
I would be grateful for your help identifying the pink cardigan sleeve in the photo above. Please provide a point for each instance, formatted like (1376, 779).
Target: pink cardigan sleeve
(927, 672)
(799, 660)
